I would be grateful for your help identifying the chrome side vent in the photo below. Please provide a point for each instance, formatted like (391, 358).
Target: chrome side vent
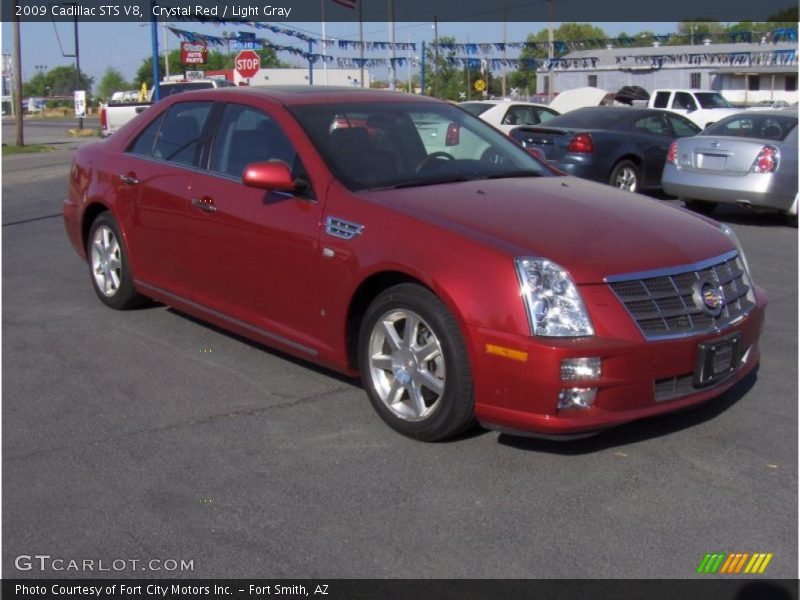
(342, 229)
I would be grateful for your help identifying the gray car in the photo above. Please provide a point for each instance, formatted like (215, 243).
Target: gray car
(748, 159)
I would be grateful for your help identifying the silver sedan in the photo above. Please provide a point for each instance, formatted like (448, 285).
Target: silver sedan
(749, 159)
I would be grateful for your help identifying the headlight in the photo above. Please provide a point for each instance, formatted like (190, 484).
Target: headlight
(729, 232)
(554, 306)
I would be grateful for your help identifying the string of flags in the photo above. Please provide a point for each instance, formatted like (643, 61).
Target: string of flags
(473, 52)
(773, 57)
(786, 34)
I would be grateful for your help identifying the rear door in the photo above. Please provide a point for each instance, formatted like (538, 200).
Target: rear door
(154, 182)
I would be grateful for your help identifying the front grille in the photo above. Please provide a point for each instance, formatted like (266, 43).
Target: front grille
(664, 303)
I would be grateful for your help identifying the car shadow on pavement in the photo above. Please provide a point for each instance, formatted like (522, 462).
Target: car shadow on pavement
(732, 213)
(638, 431)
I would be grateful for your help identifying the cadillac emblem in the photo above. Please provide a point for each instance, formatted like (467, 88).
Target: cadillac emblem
(708, 296)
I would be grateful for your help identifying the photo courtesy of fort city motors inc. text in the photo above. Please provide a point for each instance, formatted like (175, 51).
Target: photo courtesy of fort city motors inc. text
(368, 298)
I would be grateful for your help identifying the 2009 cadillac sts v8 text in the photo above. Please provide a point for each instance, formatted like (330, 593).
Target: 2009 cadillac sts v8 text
(402, 239)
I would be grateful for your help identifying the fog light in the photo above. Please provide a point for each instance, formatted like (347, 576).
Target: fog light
(576, 398)
(574, 369)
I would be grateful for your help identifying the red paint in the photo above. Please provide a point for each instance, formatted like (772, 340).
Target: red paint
(256, 267)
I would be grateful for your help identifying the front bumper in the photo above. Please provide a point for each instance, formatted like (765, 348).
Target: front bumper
(521, 395)
(754, 189)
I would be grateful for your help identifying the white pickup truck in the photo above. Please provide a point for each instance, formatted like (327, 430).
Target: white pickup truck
(704, 107)
(115, 114)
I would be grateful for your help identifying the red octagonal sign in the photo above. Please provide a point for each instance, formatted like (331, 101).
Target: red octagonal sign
(247, 64)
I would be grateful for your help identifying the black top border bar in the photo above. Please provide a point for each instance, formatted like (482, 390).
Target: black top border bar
(474, 11)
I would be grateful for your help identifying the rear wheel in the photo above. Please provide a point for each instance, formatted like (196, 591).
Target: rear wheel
(108, 261)
(703, 207)
(625, 176)
(414, 364)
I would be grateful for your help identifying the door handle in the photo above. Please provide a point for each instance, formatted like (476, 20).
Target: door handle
(129, 179)
(205, 203)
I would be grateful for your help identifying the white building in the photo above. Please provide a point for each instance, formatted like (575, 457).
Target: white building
(743, 72)
(330, 76)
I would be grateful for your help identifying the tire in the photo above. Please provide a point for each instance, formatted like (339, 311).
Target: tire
(427, 397)
(625, 176)
(108, 265)
(703, 207)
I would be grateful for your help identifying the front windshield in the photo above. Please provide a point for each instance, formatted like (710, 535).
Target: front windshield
(401, 144)
(712, 100)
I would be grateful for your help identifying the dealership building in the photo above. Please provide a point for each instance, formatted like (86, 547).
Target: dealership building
(744, 73)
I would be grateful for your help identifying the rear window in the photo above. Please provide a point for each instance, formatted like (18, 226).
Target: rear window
(712, 100)
(590, 118)
(759, 127)
(476, 108)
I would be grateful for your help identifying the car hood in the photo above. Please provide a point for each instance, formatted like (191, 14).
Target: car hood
(592, 230)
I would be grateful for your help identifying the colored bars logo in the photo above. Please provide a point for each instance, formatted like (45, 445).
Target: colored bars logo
(735, 563)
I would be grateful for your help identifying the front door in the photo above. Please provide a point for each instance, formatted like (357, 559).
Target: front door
(256, 251)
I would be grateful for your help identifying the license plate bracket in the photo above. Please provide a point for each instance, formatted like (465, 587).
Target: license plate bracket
(717, 359)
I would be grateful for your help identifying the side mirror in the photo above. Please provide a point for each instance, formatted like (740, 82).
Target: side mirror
(273, 175)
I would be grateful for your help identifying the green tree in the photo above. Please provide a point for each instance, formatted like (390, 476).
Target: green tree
(696, 31)
(525, 77)
(111, 81)
(215, 61)
(60, 81)
(445, 79)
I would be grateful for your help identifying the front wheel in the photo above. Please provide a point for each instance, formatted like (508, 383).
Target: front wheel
(108, 261)
(414, 364)
(625, 176)
(703, 207)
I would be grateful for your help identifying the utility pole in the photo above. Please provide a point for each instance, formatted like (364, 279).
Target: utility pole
(436, 56)
(166, 52)
(17, 98)
(392, 69)
(551, 73)
(78, 69)
(505, 41)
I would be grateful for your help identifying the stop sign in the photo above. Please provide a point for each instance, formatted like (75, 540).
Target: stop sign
(247, 63)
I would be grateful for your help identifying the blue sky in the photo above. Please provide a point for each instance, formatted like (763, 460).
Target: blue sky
(124, 45)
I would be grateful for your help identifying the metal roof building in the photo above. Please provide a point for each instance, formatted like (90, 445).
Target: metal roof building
(743, 72)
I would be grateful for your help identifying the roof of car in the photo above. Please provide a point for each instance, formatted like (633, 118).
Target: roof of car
(317, 94)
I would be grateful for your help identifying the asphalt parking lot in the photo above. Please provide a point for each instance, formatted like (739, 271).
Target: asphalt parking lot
(149, 435)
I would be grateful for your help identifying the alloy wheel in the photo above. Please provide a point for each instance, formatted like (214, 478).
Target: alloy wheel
(106, 258)
(406, 365)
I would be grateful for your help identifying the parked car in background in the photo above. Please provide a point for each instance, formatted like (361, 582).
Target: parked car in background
(624, 147)
(482, 288)
(704, 107)
(748, 159)
(507, 114)
(770, 104)
(115, 114)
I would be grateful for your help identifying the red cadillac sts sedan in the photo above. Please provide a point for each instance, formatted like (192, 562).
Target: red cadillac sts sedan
(402, 239)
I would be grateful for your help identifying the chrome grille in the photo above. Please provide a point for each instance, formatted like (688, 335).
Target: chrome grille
(663, 302)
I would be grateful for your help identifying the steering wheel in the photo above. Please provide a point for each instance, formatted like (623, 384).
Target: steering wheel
(431, 158)
(491, 155)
